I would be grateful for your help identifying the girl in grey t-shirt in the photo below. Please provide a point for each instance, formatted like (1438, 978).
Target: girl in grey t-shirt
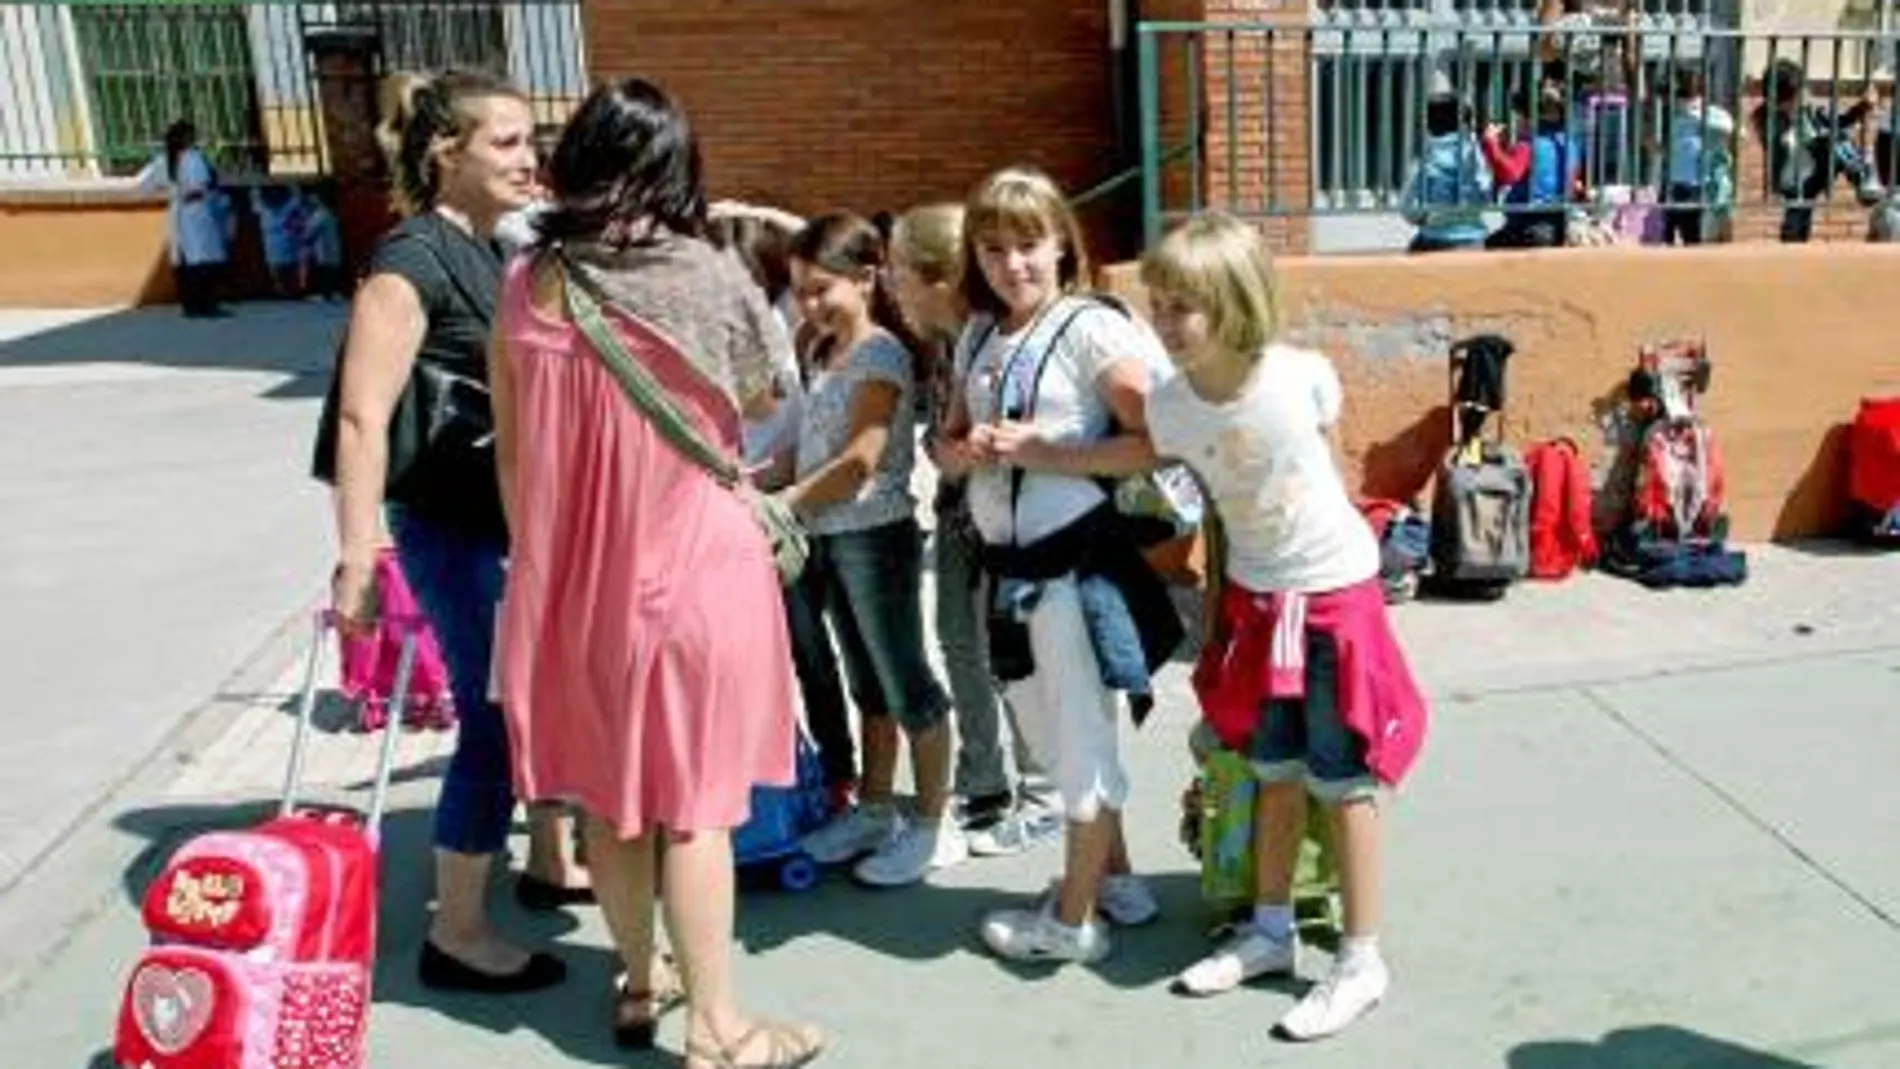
(856, 444)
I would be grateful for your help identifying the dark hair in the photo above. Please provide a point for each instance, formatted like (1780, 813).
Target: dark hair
(1444, 114)
(762, 245)
(179, 136)
(1689, 82)
(628, 156)
(420, 113)
(849, 245)
(1784, 79)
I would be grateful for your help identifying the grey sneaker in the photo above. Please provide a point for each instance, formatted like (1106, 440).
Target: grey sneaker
(1124, 901)
(853, 833)
(1015, 832)
(917, 850)
(1035, 935)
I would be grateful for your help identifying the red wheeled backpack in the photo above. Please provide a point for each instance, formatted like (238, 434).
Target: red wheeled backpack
(263, 941)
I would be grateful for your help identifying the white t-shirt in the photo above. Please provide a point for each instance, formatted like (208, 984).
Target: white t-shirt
(1265, 458)
(1068, 410)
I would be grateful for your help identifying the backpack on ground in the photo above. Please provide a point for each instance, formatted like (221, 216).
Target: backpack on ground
(263, 941)
(1561, 536)
(1405, 546)
(1480, 540)
(1676, 533)
(1873, 471)
(1680, 481)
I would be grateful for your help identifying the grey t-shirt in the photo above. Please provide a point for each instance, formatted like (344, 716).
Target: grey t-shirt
(825, 428)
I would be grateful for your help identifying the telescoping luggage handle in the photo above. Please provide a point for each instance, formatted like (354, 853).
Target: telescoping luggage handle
(409, 627)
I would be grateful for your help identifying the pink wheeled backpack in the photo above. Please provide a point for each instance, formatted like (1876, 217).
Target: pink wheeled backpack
(263, 941)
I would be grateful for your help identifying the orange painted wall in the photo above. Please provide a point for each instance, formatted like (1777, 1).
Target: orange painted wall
(1797, 336)
(92, 249)
(83, 253)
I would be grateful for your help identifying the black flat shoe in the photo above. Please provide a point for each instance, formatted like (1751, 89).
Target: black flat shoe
(439, 971)
(539, 896)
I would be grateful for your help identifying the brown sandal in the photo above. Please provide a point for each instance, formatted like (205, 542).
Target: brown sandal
(786, 1047)
(637, 1011)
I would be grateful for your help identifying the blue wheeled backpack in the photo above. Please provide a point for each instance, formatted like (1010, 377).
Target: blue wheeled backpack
(781, 816)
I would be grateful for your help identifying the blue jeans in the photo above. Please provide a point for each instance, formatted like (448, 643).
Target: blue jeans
(457, 577)
(868, 584)
(1305, 738)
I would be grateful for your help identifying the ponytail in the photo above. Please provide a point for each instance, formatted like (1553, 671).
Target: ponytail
(421, 115)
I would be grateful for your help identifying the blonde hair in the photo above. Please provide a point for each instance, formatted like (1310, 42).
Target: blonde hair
(1026, 202)
(422, 115)
(930, 239)
(1222, 267)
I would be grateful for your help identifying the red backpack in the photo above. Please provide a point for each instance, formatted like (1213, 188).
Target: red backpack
(1561, 536)
(1873, 455)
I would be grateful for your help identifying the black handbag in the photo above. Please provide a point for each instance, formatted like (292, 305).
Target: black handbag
(441, 460)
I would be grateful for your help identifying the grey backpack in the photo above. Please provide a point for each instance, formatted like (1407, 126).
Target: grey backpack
(1482, 501)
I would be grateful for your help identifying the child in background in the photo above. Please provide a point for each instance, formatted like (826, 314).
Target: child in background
(761, 241)
(1884, 224)
(322, 251)
(1000, 817)
(1538, 173)
(281, 222)
(1450, 186)
(1809, 147)
(1701, 171)
(1301, 672)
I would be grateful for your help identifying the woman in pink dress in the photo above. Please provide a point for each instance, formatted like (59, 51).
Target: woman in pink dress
(643, 656)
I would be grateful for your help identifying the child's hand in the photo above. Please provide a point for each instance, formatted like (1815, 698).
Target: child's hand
(1016, 445)
(955, 457)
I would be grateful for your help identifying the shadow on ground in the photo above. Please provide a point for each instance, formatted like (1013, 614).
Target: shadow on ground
(296, 339)
(1647, 1047)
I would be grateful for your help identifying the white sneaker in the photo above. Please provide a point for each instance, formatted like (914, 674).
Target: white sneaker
(1021, 829)
(918, 849)
(850, 834)
(1335, 1002)
(1036, 935)
(1124, 901)
(1250, 954)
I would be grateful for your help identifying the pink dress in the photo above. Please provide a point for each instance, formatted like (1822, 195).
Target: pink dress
(643, 662)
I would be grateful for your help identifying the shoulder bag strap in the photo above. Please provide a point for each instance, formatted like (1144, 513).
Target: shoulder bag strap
(1080, 304)
(647, 394)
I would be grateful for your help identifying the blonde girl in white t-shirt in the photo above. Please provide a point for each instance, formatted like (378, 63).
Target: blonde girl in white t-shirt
(1301, 673)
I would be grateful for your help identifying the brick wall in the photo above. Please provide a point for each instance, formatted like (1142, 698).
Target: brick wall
(872, 104)
(1252, 108)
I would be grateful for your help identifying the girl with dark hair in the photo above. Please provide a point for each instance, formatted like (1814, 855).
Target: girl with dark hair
(198, 245)
(856, 447)
(643, 660)
(460, 157)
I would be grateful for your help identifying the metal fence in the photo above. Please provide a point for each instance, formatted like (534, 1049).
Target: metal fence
(1332, 118)
(88, 87)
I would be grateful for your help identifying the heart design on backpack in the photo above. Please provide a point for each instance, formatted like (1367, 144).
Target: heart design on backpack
(172, 1006)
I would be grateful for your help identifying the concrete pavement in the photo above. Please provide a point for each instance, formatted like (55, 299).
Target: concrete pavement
(158, 525)
(1651, 831)
(1653, 869)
